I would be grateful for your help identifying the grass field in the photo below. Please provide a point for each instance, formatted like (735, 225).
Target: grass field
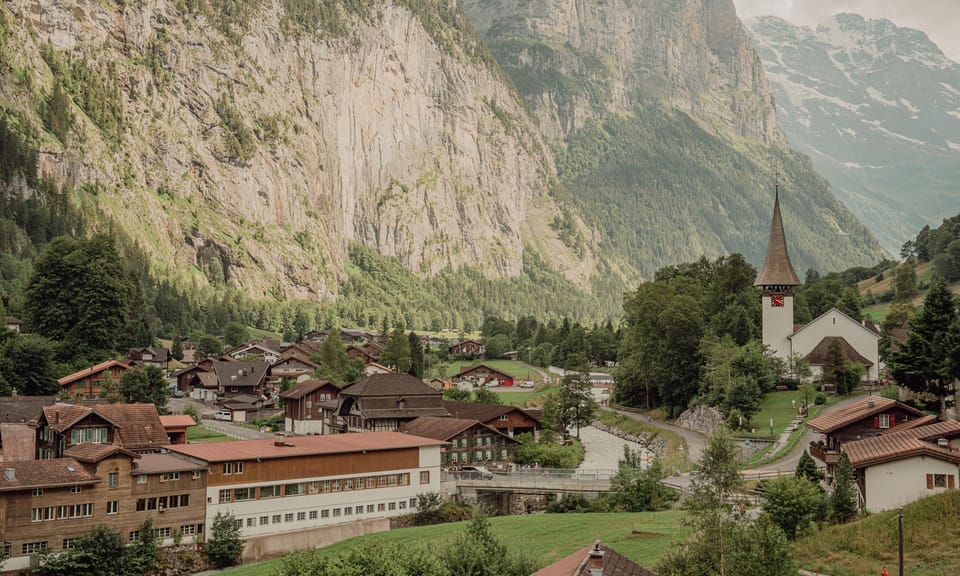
(524, 397)
(931, 531)
(776, 405)
(643, 537)
(201, 434)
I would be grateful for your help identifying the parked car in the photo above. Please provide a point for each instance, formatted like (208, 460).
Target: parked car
(476, 473)
(526, 384)
(223, 415)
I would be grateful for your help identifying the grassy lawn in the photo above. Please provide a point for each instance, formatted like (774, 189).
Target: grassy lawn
(931, 530)
(201, 434)
(776, 405)
(643, 537)
(524, 397)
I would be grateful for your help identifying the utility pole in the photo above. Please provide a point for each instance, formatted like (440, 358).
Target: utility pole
(900, 522)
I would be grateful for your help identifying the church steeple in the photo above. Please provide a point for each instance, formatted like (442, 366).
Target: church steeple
(777, 269)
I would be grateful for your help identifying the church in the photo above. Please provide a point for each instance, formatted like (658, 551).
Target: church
(859, 342)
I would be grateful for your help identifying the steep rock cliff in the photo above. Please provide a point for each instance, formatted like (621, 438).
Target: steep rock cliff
(256, 151)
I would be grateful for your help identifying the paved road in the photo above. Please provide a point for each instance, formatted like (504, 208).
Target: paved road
(238, 432)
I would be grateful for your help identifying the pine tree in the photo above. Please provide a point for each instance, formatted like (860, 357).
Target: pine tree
(807, 468)
(396, 354)
(416, 356)
(844, 500)
(927, 362)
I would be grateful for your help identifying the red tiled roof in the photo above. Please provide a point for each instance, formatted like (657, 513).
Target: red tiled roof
(880, 449)
(92, 453)
(96, 369)
(867, 406)
(929, 431)
(921, 421)
(177, 421)
(44, 474)
(302, 446)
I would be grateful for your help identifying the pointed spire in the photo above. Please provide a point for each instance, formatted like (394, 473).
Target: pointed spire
(777, 269)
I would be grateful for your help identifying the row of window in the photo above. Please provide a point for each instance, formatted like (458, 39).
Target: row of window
(168, 532)
(163, 502)
(61, 512)
(478, 441)
(478, 456)
(302, 516)
(228, 495)
(76, 489)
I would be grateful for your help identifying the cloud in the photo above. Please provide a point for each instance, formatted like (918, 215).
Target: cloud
(937, 18)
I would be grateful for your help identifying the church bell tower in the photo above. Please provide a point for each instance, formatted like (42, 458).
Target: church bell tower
(777, 279)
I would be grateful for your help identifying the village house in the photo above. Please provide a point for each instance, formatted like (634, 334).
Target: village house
(509, 420)
(241, 378)
(288, 486)
(483, 375)
(294, 368)
(136, 427)
(46, 505)
(89, 382)
(865, 417)
(466, 348)
(468, 441)
(902, 465)
(365, 352)
(176, 426)
(266, 351)
(384, 402)
(159, 357)
(303, 406)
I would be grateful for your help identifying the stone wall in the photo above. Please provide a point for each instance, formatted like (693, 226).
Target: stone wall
(704, 419)
(257, 548)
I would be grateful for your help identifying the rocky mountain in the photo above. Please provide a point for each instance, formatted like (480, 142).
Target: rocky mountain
(252, 142)
(877, 109)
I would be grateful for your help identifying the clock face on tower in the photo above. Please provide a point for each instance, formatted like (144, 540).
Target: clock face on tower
(776, 301)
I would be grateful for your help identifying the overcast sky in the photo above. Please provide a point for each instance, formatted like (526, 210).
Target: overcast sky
(938, 18)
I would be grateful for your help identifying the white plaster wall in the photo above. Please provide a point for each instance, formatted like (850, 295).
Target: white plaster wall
(835, 323)
(895, 484)
(777, 326)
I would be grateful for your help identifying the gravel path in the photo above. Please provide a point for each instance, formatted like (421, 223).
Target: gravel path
(602, 449)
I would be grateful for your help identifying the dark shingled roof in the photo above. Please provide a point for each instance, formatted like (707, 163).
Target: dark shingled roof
(777, 269)
(477, 411)
(92, 453)
(392, 384)
(445, 428)
(140, 425)
(44, 474)
(820, 355)
(23, 408)
(578, 564)
(304, 388)
(19, 441)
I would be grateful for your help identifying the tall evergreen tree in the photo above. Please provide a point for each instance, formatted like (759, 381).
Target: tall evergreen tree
(844, 500)
(396, 354)
(417, 366)
(332, 358)
(929, 361)
(807, 468)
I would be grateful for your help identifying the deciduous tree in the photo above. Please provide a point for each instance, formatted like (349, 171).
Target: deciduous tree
(225, 546)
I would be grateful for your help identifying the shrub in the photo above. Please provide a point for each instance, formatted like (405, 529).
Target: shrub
(820, 399)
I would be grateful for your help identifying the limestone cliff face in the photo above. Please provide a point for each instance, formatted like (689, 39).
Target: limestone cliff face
(693, 53)
(380, 136)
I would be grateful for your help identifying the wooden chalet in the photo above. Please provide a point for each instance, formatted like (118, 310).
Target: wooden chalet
(483, 375)
(241, 378)
(469, 441)
(384, 402)
(509, 420)
(159, 357)
(304, 406)
(136, 427)
(49, 504)
(470, 348)
(295, 367)
(865, 417)
(88, 383)
(267, 351)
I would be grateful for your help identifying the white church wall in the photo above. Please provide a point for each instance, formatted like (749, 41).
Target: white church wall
(834, 323)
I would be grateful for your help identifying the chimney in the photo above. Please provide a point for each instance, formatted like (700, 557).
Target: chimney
(10, 473)
(943, 443)
(595, 560)
(279, 440)
(869, 403)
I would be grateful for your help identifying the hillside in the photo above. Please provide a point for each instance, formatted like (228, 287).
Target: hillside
(877, 109)
(269, 146)
(931, 529)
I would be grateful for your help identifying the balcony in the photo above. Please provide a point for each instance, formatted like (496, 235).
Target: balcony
(820, 451)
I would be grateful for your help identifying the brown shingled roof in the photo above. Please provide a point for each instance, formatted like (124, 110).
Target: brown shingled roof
(445, 428)
(44, 474)
(930, 431)
(392, 384)
(96, 369)
(866, 406)
(140, 425)
(23, 408)
(304, 388)
(302, 446)
(777, 269)
(879, 449)
(820, 355)
(157, 463)
(19, 442)
(177, 420)
(477, 410)
(92, 453)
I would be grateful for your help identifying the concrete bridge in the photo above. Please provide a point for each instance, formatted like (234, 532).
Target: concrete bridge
(525, 490)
